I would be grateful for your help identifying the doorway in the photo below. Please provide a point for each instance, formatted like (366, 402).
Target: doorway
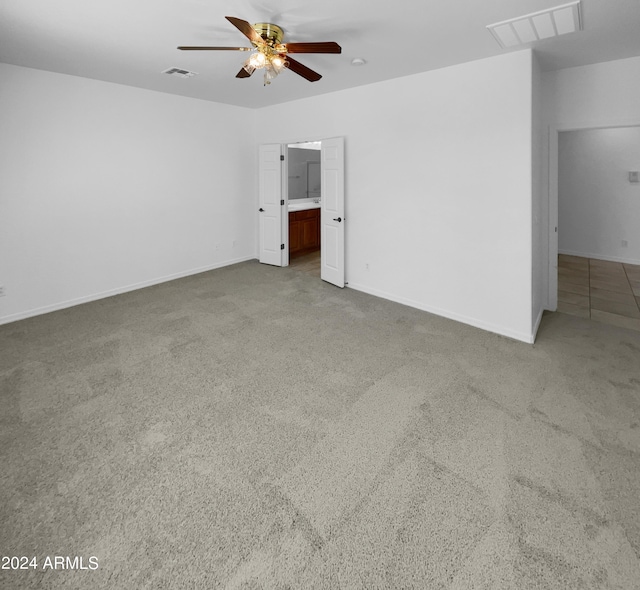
(304, 196)
(598, 213)
(315, 217)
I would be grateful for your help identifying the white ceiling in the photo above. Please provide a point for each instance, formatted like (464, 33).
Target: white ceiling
(132, 41)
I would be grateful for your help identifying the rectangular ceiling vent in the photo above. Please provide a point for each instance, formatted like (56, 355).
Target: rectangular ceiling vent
(180, 73)
(551, 22)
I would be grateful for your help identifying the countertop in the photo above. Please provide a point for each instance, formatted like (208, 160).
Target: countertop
(303, 206)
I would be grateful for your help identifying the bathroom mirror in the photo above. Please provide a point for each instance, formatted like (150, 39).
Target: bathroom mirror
(304, 170)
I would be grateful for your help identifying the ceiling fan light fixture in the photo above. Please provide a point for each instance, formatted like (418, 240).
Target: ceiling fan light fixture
(267, 59)
(275, 64)
(277, 61)
(257, 60)
(269, 74)
(268, 51)
(248, 67)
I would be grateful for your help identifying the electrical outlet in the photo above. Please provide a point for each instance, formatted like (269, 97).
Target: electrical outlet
(366, 266)
(2, 291)
(624, 243)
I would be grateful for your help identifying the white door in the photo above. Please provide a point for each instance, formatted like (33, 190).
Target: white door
(332, 213)
(270, 208)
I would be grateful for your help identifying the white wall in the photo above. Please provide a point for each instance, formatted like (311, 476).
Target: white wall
(598, 208)
(438, 187)
(104, 188)
(598, 95)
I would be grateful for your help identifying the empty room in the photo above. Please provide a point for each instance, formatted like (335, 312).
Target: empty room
(320, 295)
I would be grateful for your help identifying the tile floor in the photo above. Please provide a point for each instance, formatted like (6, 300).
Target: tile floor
(605, 291)
(308, 263)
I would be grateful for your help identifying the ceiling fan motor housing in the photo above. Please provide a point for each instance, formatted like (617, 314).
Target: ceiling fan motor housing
(271, 33)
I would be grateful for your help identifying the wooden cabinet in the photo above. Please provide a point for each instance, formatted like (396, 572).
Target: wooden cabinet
(304, 231)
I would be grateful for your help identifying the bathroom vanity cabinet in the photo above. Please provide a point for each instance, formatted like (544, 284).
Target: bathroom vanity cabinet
(304, 231)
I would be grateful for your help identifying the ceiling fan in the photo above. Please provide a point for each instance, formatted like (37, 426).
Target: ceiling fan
(269, 53)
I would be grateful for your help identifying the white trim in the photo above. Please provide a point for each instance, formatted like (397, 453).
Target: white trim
(102, 295)
(536, 326)
(522, 337)
(552, 224)
(600, 256)
(584, 125)
(284, 192)
(552, 213)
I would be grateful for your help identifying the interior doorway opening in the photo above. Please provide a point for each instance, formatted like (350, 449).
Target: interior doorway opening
(274, 208)
(598, 256)
(303, 188)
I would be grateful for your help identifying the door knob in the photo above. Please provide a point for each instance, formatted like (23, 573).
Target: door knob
(261, 210)
(338, 219)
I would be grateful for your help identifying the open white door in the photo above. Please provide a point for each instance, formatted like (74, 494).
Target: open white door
(270, 208)
(332, 169)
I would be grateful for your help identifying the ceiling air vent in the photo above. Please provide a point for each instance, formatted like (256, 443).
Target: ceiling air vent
(551, 22)
(180, 73)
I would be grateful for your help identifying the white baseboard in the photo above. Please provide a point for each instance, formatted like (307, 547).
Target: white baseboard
(522, 337)
(600, 257)
(110, 293)
(536, 325)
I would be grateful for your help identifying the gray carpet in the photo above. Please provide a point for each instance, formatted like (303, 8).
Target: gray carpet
(253, 427)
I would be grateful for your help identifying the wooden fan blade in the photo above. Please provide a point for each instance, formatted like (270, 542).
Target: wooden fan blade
(322, 47)
(243, 74)
(246, 29)
(189, 48)
(301, 70)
